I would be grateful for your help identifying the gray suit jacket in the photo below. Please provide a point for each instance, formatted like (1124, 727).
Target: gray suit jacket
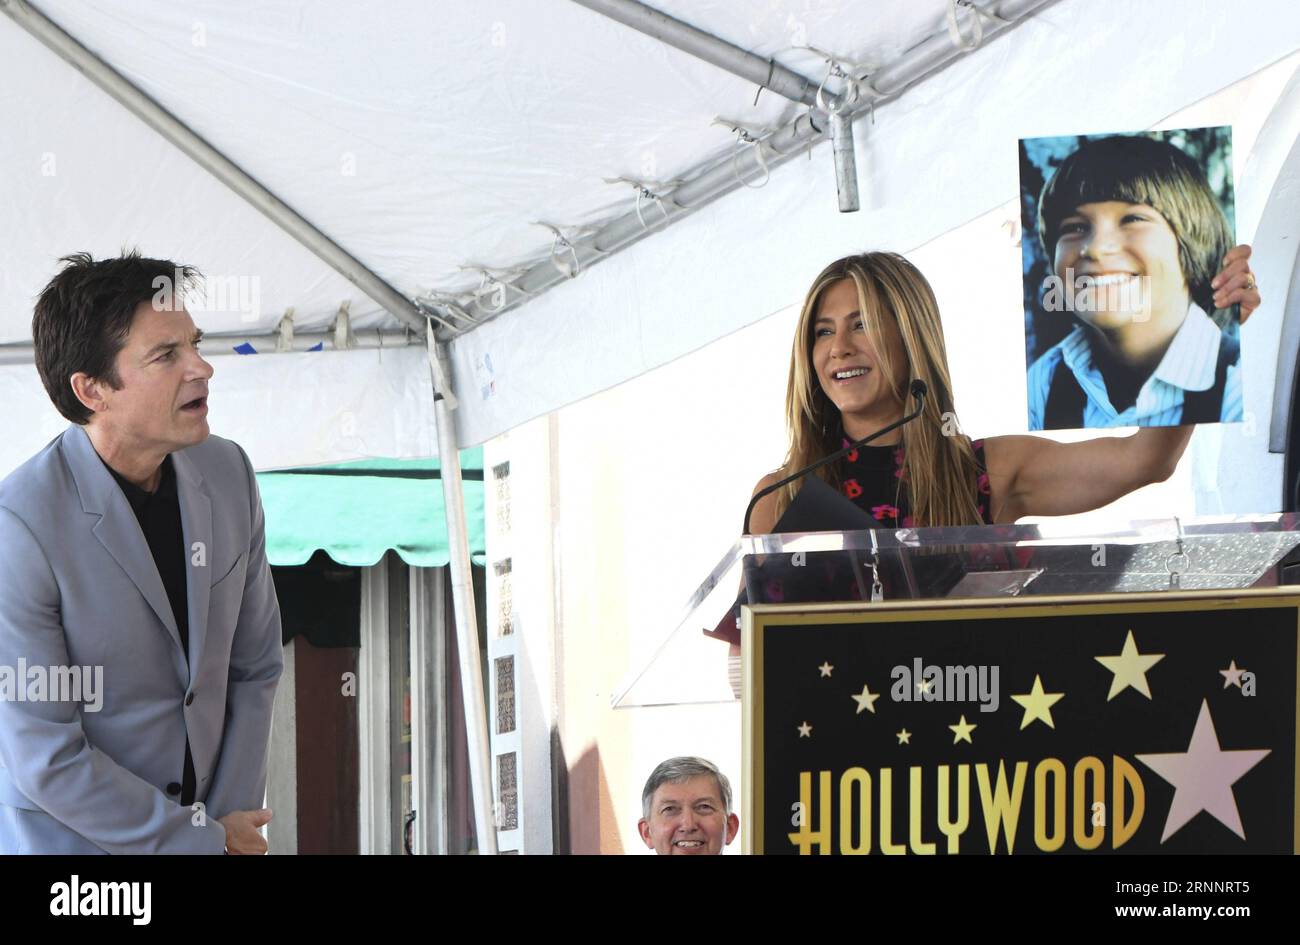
(79, 588)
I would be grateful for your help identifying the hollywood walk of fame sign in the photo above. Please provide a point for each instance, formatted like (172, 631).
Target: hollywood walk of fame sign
(1124, 723)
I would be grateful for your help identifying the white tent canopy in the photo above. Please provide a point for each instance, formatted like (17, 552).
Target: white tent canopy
(424, 139)
(414, 144)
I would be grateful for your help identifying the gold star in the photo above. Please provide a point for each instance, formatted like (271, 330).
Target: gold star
(866, 700)
(1231, 675)
(1130, 668)
(904, 737)
(961, 731)
(924, 685)
(1038, 704)
(805, 730)
(826, 669)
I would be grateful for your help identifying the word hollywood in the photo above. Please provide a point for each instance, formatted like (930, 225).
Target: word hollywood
(77, 898)
(946, 684)
(84, 684)
(857, 812)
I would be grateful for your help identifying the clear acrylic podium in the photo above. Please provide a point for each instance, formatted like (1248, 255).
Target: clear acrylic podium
(689, 662)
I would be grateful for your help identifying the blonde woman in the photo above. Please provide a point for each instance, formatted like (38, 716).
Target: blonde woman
(869, 326)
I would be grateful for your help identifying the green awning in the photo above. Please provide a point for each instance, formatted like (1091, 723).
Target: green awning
(356, 511)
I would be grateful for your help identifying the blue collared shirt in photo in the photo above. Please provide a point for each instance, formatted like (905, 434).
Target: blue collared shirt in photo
(1189, 365)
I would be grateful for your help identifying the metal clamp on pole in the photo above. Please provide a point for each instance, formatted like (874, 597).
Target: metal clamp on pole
(284, 331)
(747, 137)
(344, 336)
(877, 588)
(977, 17)
(840, 113)
(647, 190)
(493, 285)
(1178, 562)
(439, 306)
(559, 245)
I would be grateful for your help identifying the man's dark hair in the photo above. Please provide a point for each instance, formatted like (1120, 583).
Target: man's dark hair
(83, 316)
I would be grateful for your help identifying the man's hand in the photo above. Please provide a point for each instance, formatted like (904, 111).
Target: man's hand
(241, 830)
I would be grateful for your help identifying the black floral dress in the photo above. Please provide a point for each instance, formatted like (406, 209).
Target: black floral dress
(873, 479)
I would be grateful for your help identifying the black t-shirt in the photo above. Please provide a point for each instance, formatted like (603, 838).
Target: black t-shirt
(159, 515)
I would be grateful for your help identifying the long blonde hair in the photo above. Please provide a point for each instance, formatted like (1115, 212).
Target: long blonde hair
(939, 471)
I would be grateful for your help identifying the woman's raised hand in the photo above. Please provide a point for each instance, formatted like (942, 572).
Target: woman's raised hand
(1235, 284)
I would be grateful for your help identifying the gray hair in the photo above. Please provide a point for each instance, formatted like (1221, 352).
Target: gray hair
(678, 770)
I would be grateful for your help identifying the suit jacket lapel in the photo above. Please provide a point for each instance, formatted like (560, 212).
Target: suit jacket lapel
(118, 530)
(196, 526)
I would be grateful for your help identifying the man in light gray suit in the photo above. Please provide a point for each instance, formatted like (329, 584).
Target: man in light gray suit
(132, 563)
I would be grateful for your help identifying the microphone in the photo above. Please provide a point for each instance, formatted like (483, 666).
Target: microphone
(918, 390)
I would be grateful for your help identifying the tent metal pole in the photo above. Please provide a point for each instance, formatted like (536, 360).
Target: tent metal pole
(212, 160)
(716, 178)
(462, 591)
(767, 73)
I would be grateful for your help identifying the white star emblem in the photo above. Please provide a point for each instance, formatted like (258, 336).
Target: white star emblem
(1203, 777)
(1231, 675)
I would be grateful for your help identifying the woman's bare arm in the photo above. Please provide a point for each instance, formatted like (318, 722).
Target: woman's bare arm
(1031, 475)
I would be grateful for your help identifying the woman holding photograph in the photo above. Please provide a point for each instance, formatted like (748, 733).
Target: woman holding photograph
(870, 326)
(1131, 224)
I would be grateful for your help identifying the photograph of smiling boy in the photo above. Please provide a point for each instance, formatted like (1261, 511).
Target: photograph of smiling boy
(1123, 235)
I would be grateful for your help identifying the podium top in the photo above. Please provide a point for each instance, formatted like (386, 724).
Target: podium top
(688, 662)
